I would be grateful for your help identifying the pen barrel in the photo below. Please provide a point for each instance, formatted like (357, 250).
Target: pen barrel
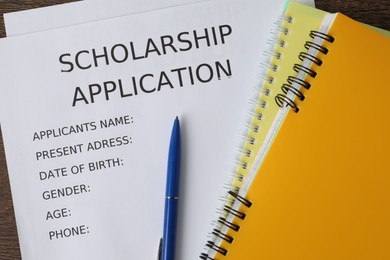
(169, 233)
(173, 171)
(171, 195)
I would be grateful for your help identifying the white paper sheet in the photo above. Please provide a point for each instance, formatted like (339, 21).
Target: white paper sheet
(41, 19)
(116, 212)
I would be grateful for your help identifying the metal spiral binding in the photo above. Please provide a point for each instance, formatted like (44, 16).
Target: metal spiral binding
(292, 79)
(284, 99)
(225, 237)
(234, 212)
(228, 224)
(213, 246)
(263, 91)
(217, 233)
(304, 55)
(205, 256)
(322, 35)
(298, 67)
(242, 200)
(286, 88)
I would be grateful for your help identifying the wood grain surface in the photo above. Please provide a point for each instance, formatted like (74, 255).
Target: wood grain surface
(373, 12)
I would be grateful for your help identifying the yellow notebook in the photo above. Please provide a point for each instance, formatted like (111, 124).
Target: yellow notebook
(263, 110)
(323, 189)
(287, 41)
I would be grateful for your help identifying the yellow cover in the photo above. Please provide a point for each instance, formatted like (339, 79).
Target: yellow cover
(323, 190)
(293, 35)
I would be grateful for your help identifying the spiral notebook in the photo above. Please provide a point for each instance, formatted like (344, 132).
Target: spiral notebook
(262, 118)
(263, 110)
(322, 191)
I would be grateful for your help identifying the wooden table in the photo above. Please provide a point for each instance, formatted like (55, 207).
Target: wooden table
(374, 12)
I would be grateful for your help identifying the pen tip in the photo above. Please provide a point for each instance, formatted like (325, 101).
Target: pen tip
(177, 118)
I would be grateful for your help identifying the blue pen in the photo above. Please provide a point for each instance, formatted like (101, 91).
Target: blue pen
(171, 195)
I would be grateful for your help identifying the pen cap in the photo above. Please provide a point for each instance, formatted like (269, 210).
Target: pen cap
(172, 189)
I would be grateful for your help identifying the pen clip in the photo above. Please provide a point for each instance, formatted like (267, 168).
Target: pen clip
(159, 250)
